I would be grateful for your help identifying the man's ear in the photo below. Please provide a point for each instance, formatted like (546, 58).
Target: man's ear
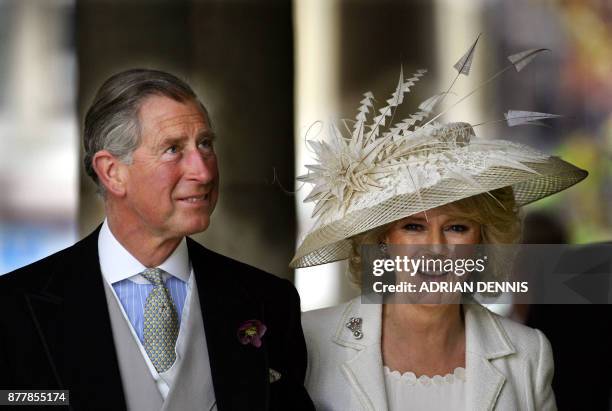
(110, 171)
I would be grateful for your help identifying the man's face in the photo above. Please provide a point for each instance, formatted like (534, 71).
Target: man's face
(172, 183)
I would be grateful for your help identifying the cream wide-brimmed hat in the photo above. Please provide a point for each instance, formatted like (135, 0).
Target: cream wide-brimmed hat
(375, 175)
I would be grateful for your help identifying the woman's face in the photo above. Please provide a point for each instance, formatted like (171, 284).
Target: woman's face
(433, 237)
(440, 226)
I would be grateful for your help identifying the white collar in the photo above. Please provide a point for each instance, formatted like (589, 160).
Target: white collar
(118, 264)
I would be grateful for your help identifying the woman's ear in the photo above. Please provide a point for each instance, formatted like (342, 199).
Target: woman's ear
(110, 171)
(382, 247)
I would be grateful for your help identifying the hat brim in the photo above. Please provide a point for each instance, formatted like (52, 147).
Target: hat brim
(330, 242)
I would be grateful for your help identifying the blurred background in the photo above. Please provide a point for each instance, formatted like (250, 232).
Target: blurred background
(268, 71)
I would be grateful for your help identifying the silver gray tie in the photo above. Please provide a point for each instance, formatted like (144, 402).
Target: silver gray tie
(161, 324)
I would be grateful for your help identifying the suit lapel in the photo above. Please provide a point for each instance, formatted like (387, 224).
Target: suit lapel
(485, 341)
(225, 304)
(46, 311)
(71, 315)
(364, 369)
(72, 318)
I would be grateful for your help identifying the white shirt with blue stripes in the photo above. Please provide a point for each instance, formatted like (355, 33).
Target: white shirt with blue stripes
(121, 270)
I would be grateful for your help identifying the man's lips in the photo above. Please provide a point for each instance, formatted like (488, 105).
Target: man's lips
(195, 199)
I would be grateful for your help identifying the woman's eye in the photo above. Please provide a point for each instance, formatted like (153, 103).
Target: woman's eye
(458, 228)
(413, 227)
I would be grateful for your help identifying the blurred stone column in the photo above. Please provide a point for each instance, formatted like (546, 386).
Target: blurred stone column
(38, 147)
(345, 48)
(243, 65)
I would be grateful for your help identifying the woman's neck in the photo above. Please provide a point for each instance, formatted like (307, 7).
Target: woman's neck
(424, 339)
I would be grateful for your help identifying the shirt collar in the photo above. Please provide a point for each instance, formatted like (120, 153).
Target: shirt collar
(118, 264)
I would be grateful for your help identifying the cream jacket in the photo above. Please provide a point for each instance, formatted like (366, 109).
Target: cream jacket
(508, 366)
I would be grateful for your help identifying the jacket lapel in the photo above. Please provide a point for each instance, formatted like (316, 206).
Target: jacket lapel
(485, 341)
(71, 315)
(364, 369)
(225, 305)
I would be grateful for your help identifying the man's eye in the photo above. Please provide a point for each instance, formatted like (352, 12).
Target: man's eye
(172, 150)
(206, 144)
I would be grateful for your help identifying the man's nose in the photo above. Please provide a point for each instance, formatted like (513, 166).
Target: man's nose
(201, 167)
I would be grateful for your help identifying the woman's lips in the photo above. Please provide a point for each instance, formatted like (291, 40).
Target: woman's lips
(433, 275)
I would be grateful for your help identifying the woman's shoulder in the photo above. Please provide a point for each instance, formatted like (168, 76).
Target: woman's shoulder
(524, 339)
(352, 324)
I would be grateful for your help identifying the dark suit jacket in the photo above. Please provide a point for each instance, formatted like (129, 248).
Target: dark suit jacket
(55, 331)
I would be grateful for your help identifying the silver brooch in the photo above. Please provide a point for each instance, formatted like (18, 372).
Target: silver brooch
(354, 325)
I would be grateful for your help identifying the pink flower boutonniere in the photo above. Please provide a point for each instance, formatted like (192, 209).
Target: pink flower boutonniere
(250, 332)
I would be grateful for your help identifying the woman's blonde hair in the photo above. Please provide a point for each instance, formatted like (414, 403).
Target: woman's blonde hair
(496, 212)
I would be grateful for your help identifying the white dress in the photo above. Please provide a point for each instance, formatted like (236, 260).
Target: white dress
(407, 392)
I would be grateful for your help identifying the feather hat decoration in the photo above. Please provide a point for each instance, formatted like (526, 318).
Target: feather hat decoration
(379, 171)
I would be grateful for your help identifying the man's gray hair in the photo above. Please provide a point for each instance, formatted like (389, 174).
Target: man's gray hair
(112, 123)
